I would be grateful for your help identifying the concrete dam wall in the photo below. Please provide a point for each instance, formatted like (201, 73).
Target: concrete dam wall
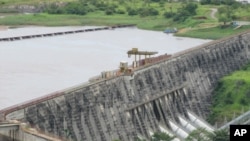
(16, 131)
(158, 97)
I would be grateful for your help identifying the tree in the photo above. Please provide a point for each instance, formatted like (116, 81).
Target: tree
(191, 8)
(225, 14)
(184, 12)
(132, 11)
(148, 12)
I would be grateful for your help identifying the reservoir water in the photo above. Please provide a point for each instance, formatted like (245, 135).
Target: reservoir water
(36, 67)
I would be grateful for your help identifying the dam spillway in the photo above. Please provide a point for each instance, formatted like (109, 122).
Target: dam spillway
(154, 98)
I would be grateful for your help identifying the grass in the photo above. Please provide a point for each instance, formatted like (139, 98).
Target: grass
(97, 18)
(29, 2)
(243, 13)
(231, 96)
(93, 18)
(213, 32)
(207, 28)
(40, 19)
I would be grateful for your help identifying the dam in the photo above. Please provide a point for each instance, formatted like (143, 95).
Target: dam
(58, 62)
(161, 96)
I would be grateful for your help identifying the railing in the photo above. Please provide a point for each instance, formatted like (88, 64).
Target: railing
(239, 120)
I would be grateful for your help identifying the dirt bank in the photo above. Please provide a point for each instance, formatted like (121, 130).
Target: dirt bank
(3, 27)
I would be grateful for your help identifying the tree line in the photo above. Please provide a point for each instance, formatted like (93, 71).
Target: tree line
(130, 7)
(145, 8)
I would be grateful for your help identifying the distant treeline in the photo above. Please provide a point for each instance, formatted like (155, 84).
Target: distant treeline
(219, 2)
(83, 7)
(142, 8)
(133, 7)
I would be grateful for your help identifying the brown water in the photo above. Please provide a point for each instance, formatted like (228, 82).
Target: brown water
(35, 67)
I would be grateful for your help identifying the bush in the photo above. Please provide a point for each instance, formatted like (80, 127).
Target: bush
(240, 82)
(185, 12)
(228, 100)
(148, 12)
(181, 16)
(191, 8)
(101, 6)
(120, 11)
(52, 9)
(200, 17)
(109, 11)
(215, 2)
(243, 101)
(169, 14)
(70, 8)
(248, 93)
(132, 12)
(153, 12)
(76, 8)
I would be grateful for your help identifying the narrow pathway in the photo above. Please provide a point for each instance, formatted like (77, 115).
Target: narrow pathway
(212, 15)
(213, 12)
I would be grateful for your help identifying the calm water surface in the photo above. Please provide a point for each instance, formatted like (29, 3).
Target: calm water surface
(35, 67)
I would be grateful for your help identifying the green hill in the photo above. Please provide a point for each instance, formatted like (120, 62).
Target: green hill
(231, 97)
(191, 19)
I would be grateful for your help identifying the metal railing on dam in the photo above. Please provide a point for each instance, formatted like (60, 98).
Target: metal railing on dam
(242, 119)
(16, 38)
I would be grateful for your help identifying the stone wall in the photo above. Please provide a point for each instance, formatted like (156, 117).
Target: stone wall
(21, 132)
(133, 106)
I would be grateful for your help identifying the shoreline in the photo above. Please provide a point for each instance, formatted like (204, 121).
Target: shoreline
(3, 28)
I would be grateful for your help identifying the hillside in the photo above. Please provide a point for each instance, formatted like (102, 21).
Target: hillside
(231, 97)
(191, 19)
(30, 2)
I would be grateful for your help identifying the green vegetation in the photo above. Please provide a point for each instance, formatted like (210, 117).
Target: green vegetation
(192, 19)
(202, 135)
(29, 2)
(90, 19)
(213, 32)
(231, 96)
